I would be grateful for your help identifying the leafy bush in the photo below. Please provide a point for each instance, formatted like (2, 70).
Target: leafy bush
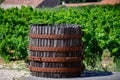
(1, 1)
(100, 23)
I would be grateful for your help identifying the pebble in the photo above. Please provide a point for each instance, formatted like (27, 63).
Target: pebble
(1, 66)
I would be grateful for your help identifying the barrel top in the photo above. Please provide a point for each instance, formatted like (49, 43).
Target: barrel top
(58, 25)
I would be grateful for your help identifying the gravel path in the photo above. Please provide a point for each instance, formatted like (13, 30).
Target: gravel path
(6, 74)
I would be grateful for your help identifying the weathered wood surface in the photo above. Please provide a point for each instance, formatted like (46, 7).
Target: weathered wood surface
(58, 30)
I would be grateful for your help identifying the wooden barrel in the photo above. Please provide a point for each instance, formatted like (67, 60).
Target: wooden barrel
(56, 51)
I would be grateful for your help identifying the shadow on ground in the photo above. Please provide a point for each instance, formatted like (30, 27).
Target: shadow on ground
(95, 74)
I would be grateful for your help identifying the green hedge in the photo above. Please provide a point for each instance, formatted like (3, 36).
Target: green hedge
(101, 25)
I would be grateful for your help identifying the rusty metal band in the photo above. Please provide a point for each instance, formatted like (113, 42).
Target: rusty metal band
(55, 49)
(55, 69)
(57, 59)
(43, 36)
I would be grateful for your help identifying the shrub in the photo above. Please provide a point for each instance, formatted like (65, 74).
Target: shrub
(100, 24)
(1, 1)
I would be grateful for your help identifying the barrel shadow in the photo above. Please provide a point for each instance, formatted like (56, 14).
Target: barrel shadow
(88, 73)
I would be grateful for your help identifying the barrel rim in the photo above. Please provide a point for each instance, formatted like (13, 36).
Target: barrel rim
(57, 25)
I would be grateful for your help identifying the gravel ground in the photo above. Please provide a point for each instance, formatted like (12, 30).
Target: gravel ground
(13, 70)
(6, 74)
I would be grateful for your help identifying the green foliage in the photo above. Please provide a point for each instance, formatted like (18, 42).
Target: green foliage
(117, 65)
(108, 61)
(100, 24)
(1, 1)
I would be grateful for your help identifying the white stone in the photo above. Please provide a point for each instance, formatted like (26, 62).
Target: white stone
(1, 66)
